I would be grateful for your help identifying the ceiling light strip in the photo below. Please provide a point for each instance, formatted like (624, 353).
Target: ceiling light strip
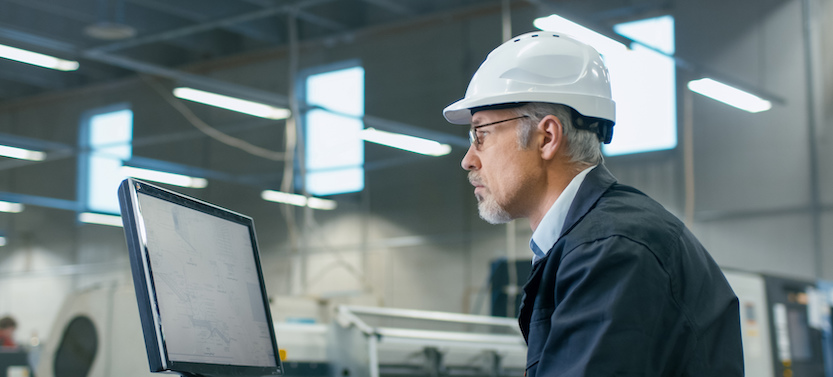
(298, 200)
(406, 142)
(231, 103)
(164, 177)
(729, 95)
(22, 154)
(34, 58)
(11, 207)
(100, 219)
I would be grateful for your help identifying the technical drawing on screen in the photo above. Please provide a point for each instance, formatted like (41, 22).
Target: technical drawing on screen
(199, 286)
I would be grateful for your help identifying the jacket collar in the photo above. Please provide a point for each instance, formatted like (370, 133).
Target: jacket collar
(594, 186)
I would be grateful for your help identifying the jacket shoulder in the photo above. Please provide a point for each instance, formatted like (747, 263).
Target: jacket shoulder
(625, 211)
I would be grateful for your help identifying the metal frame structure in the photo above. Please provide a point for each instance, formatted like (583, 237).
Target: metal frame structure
(350, 323)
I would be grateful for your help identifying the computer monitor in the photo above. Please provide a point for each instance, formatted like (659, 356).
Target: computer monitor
(199, 285)
(14, 361)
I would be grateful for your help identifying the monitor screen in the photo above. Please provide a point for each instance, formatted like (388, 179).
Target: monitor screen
(199, 285)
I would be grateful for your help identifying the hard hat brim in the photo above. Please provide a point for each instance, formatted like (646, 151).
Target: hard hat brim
(591, 106)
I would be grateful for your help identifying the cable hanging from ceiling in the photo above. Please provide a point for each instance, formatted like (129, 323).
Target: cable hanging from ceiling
(210, 131)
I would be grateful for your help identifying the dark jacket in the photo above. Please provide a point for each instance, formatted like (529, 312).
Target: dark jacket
(628, 291)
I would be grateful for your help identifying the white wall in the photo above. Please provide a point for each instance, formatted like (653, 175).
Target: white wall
(753, 176)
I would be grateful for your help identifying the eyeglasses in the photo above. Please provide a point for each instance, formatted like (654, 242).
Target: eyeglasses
(474, 140)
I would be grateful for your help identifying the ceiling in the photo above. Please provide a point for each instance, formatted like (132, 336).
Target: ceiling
(116, 38)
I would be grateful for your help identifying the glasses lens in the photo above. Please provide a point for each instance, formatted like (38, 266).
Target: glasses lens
(473, 136)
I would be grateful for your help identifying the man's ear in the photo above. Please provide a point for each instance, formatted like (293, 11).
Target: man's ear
(554, 140)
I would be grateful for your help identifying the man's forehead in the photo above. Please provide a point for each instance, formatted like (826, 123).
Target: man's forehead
(488, 116)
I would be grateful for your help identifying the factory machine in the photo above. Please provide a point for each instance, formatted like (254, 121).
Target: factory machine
(98, 334)
(14, 363)
(824, 320)
(786, 324)
(375, 342)
(781, 325)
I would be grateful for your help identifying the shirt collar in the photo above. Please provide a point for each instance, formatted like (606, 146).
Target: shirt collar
(550, 227)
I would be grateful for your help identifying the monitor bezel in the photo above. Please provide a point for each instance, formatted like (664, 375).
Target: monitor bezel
(140, 266)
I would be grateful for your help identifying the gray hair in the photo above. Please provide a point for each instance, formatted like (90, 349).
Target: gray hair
(583, 147)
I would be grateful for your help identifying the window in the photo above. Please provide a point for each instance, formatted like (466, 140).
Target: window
(643, 81)
(106, 136)
(334, 149)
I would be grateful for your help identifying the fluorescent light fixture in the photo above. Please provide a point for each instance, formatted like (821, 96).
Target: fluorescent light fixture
(164, 177)
(405, 142)
(558, 24)
(729, 95)
(20, 153)
(234, 104)
(324, 204)
(298, 200)
(34, 58)
(11, 207)
(2, 241)
(101, 219)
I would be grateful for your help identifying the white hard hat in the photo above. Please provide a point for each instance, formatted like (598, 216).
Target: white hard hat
(540, 67)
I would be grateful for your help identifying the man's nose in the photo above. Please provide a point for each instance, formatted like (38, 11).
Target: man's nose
(470, 161)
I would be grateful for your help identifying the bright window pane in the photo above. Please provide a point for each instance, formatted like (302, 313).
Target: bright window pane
(331, 141)
(334, 149)
(340, 91)
(110, 136)
(348, 179)
(644, 87)
(111, 133)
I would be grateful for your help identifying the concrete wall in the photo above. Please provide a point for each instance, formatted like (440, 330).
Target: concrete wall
(754, 179)
(412, 238)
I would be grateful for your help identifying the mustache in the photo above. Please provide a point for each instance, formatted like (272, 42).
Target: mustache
(474, 179)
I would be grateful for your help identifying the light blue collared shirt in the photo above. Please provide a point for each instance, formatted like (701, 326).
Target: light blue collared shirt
(550, 227)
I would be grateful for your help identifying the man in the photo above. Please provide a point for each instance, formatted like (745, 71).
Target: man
(619, 286)
(7, 327)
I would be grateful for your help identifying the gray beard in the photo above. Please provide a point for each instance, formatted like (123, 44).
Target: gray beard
(492, 212)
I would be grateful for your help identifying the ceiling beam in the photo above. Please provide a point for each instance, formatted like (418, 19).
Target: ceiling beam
(195, 16)
(31, 143)
(199, 81)
(188, 30)
(11, 33)
(27, 40)
(53, 7)
(261, 3)
(223, 22)
(320, 21)
(35, 76)
(393, 7)
(41, 201)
